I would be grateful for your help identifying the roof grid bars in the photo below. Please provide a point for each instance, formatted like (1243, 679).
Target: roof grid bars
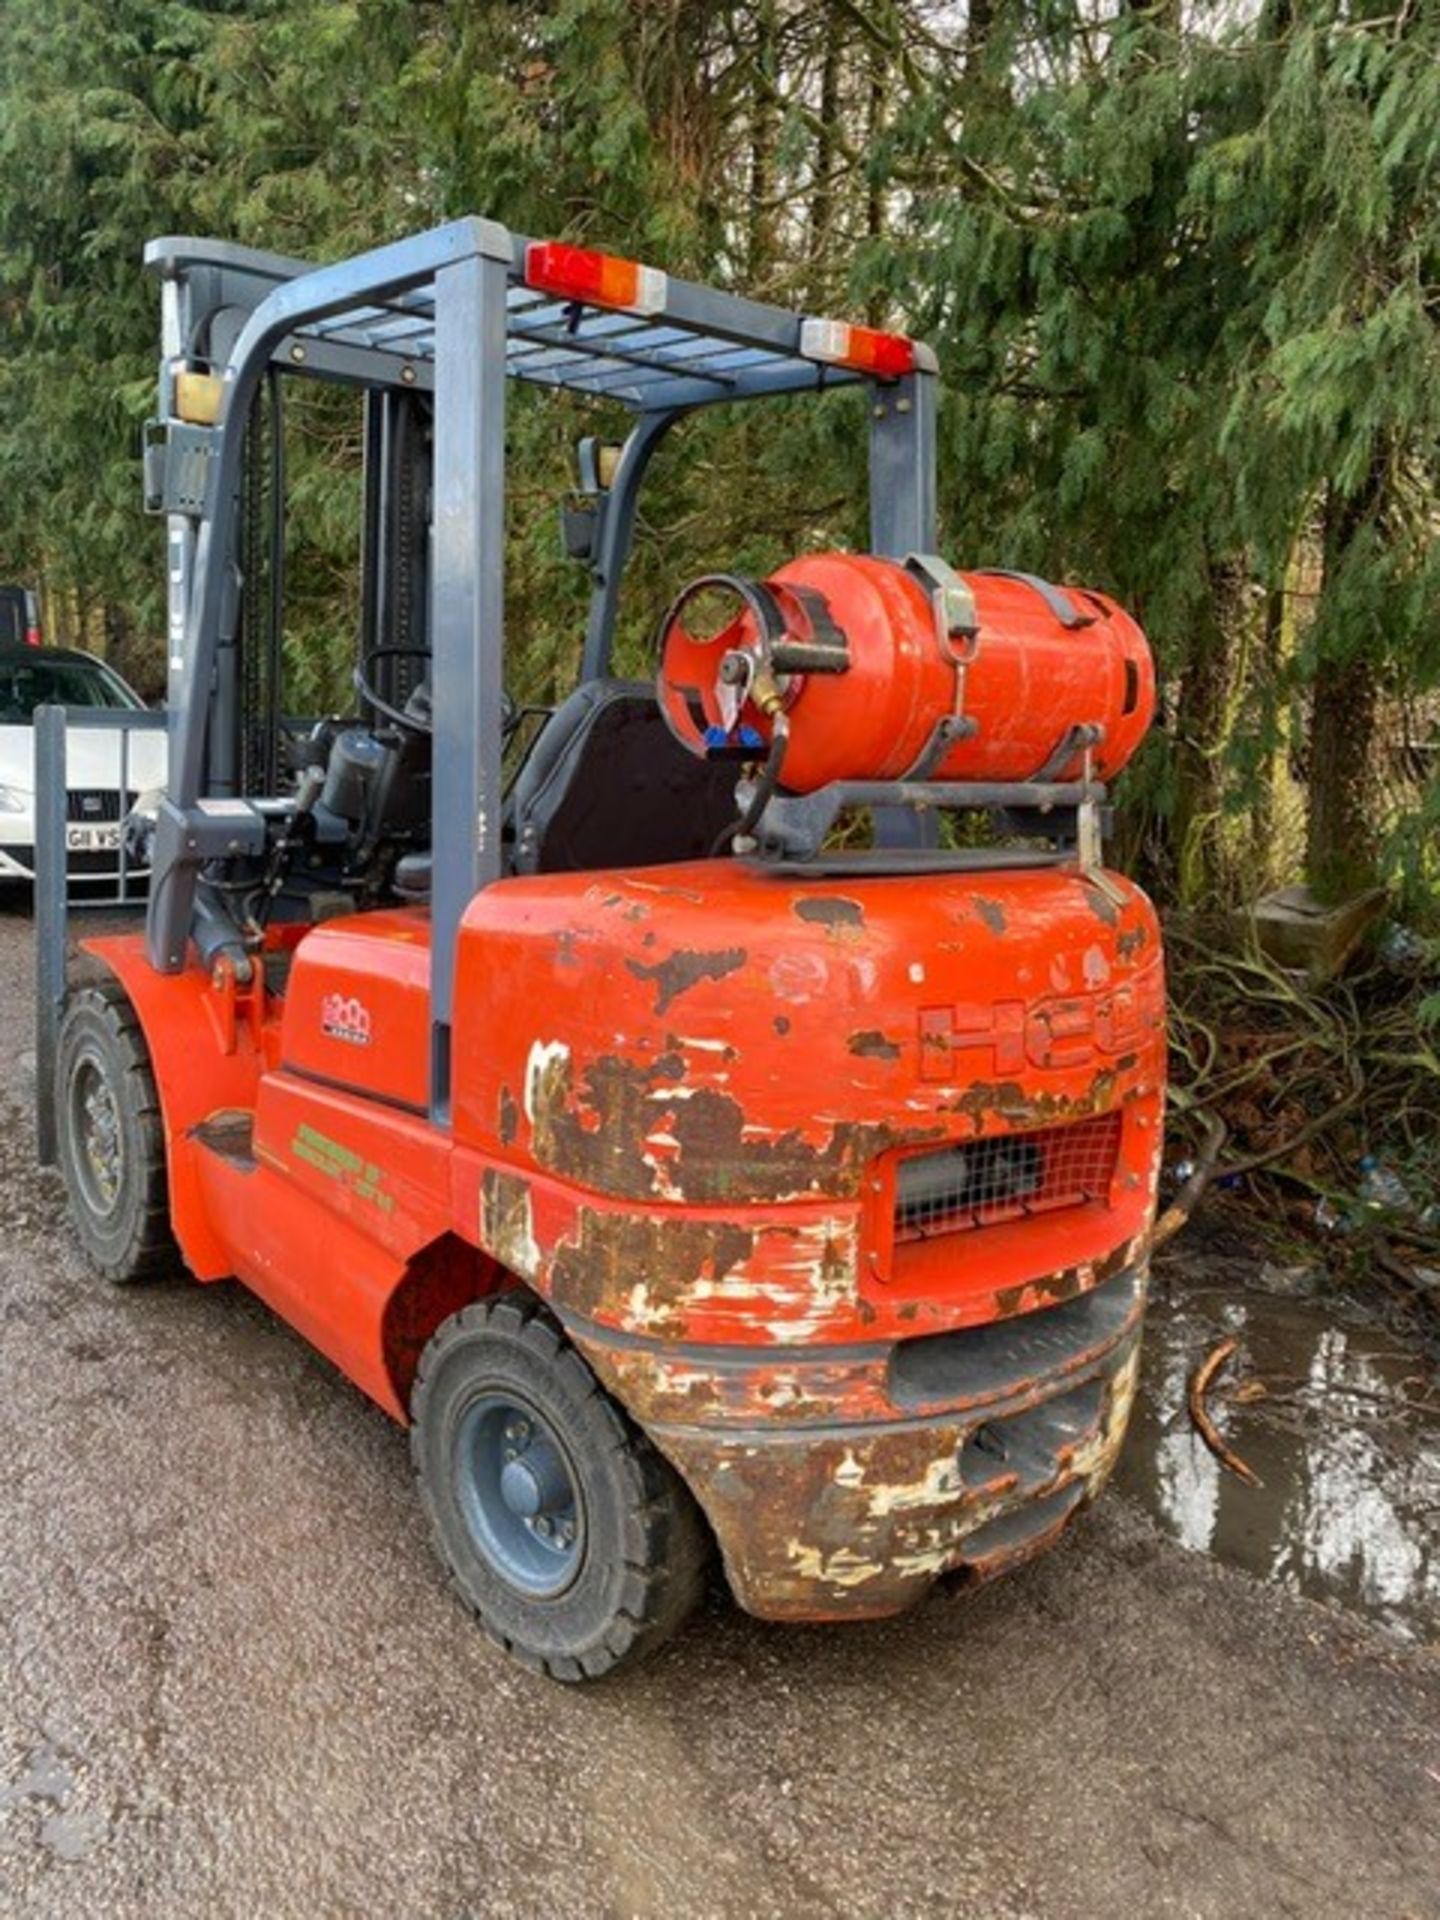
(674, 344)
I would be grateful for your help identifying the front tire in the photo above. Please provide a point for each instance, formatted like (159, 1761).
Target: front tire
(110, 1137)
(573, 1540)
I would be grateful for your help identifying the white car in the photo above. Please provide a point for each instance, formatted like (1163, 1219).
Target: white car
(32, 677)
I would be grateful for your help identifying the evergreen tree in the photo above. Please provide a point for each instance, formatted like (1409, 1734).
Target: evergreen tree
(1331, 197)
(1180, 262)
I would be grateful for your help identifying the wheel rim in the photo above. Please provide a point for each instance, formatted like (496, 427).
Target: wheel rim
(518, 1494)
(99, 1138)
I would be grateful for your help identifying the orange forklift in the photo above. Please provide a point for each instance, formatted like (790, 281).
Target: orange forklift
(731, 1123)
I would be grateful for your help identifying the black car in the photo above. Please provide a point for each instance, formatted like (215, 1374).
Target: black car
(19, 617)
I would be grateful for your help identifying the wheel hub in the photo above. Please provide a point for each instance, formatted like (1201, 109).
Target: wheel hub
(519, 1495)
(97, 1129)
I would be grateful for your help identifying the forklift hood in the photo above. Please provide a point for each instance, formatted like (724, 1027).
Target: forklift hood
(758, 1067)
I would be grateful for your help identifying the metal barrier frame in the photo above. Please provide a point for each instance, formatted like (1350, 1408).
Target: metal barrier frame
(451, 312)
(53, 880)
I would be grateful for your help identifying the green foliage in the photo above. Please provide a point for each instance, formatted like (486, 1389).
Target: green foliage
(1182, 266)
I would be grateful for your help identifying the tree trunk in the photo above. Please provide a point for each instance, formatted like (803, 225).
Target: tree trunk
(1265, 682)
(764, 130)
(124, 649)
(1200, 738)
(1340, 854)
(1341, 841)
(875, 108)
(680, 103)
(979, 20)
(822, 198)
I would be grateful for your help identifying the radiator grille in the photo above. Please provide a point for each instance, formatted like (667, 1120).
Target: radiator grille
(96, 806)
(984, 1181)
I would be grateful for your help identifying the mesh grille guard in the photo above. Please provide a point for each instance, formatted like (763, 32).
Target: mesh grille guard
(1005, 1177)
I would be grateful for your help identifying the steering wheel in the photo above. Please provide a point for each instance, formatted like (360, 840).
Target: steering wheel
(412, 722)
(420, 718)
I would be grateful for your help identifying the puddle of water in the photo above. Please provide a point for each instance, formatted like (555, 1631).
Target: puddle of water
(72, 1836)
(1347, 1443)
(68, 1833)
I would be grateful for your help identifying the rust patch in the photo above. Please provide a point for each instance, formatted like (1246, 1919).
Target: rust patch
(855, 1518)
(873, 1045)
(1131, 941)
(628, 910)
(509, 1117)
(1050, 1290)
(991, 912)
(599, 1139)
(662, 1387)
(506, 1227)
(858, 1522)
(629, 1268)
(717, 1163)
(851, 1524)
(1007, 1100)
(1053, 1289)
(684, 970)
(831, 910)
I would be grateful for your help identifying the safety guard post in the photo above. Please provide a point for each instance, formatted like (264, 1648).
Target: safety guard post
(467, 621)
(902, 521)
(902, 465)
(49, 917)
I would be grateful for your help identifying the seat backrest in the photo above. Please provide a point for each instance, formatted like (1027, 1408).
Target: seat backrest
(608, 785)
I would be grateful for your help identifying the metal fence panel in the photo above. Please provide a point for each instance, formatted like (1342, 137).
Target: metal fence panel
(54, 881)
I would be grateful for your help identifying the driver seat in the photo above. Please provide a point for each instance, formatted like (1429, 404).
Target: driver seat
(607, 784)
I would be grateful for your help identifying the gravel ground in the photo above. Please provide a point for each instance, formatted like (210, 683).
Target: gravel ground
(233, 1682)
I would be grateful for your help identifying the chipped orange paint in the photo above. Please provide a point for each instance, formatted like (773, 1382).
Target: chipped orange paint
(681, 1100)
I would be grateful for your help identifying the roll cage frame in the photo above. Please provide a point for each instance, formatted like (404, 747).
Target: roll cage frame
(448, 312)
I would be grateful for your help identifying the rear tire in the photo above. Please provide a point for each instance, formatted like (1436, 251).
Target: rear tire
(577, 1545)
(111, 1138)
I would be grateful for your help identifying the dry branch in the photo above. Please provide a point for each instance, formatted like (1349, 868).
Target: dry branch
(1201, 1381)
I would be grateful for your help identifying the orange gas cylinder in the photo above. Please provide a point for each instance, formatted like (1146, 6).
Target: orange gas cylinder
(863, 657)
